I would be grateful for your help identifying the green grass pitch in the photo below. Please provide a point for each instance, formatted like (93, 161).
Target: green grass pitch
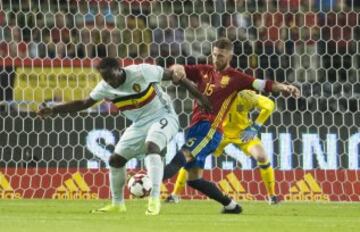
(188, 216)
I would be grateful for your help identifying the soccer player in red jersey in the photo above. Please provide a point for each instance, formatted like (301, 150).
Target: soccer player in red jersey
(220, 83)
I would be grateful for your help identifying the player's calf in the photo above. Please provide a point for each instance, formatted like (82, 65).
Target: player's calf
(175, 165)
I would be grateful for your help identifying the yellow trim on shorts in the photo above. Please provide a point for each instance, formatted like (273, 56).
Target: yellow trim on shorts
(214, 125)
(203, 142)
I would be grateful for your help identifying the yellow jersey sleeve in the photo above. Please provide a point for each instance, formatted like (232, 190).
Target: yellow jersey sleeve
(238, 118)
(266, 106)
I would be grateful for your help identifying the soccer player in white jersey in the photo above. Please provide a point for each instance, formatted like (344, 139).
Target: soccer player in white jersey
(136, 92)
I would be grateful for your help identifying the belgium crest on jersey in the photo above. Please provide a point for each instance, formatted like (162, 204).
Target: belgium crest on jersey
(136, 87)
(224, 81)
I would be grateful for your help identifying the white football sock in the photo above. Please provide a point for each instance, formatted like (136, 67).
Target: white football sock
(231, 205)
(155, 171)
(117, 184)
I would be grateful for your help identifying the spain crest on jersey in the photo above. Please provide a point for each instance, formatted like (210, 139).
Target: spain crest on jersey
(224, 81)
(136, 87)
(204, 75)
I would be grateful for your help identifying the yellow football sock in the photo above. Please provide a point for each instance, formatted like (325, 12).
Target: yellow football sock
(268, 177)
(180, 182)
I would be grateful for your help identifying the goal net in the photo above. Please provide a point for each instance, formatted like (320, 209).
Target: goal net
(49, 50)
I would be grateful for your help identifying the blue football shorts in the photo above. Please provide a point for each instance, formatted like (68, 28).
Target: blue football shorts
(201, 140)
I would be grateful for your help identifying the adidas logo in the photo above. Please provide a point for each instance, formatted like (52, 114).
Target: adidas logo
(231, 185)
(6, 191)
(74, 188)
(306, 189)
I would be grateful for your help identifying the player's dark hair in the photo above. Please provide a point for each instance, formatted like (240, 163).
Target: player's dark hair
(223, 43)
(108, 63)
(106, 67)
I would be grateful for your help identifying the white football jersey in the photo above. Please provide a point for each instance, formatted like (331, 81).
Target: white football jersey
(140, 97)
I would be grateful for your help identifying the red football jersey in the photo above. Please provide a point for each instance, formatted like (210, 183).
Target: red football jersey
(221, 89)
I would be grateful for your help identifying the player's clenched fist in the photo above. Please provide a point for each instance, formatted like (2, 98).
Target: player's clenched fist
(178, 72)
(292, 90)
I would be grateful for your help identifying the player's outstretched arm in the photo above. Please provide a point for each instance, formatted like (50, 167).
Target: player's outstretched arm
(203, 100)
(69, 107)
(248, 82)
(285, 88)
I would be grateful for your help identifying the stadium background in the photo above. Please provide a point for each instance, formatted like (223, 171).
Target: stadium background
(48, 50)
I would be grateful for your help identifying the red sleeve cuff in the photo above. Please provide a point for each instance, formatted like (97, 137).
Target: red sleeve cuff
(268, 86)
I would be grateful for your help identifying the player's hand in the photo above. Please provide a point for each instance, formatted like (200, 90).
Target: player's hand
(250, 132)
(205, 104)
(291, 90)
(178, 73)
(44, 112)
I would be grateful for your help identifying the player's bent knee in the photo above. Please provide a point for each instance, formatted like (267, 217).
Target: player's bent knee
(152, 148)
(258, 153)
(117, 161)
(262, 159)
